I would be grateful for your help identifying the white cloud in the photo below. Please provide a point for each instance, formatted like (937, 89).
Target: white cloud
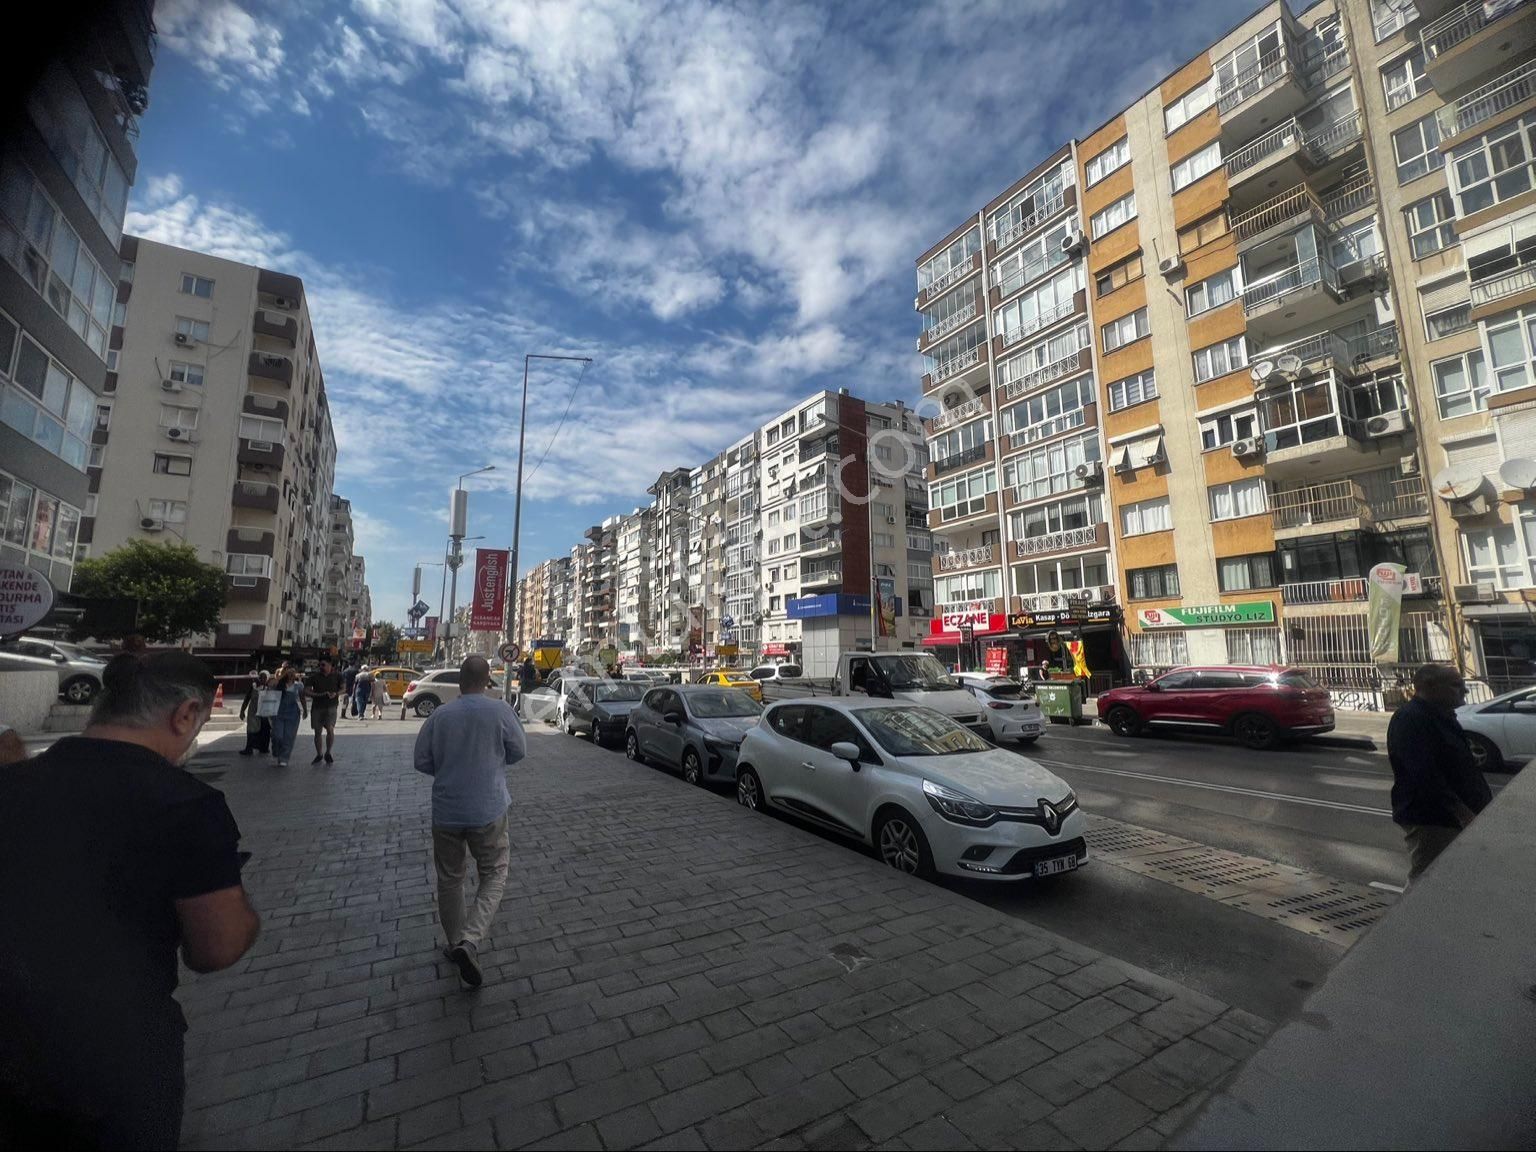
(223, 40)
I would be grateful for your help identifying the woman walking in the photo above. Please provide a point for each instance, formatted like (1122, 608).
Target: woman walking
(258, 729)
(293, 705)
(380, 695)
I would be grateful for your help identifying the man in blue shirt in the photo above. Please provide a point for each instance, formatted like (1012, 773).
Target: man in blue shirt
(465, 746)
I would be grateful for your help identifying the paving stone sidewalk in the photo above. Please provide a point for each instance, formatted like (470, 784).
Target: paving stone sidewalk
(668, 970)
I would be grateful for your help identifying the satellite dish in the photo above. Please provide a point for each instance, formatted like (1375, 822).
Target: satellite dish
(1518, 472)
(1458, 482)
(1289, 364)
(1262, 371)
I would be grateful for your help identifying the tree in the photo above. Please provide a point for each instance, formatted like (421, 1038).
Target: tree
(178, 594)
(385, 635)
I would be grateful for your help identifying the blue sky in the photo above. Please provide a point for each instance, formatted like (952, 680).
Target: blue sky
(720, 204)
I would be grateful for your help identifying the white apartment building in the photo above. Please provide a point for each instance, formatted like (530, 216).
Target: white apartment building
(633, 561)
(219, 434)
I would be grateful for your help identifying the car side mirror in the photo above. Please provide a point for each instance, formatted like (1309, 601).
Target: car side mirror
(1523, 706)
(846, 750)
(59, 658)
(673, 717)
(1154, 687)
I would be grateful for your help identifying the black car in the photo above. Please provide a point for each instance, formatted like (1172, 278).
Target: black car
(696, 728)
(602, 707)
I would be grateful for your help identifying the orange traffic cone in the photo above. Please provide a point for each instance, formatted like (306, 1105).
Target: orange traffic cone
(218, 696)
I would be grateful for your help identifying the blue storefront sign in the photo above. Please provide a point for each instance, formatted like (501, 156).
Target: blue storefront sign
(831, 604)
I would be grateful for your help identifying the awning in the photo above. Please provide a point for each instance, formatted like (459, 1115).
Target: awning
(942, 640)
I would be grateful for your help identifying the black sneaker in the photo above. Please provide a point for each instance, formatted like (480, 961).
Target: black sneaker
(329, 759)
(317, 759)
(463, 954)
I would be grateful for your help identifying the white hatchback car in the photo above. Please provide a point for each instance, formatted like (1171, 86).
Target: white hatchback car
(1010, 709)
(436, 687)
(1501, 731)
(927, 793)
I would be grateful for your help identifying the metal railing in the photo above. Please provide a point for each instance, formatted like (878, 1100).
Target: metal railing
(959, 459)
(1322, 346)
(1377, 342)
(1350, 589)
(1459, 23)
(1350, 197)
(1084, 537)
(1044, 319)
(818, 576)
(1514, 87)
(1048, 428)
(1297, 201)
(962, 558)
(956, 364)
(1271, 142)
(1319, 504)
(948, 324)
(1329, 66)
(959, 272)
(1027, 223)
(958, 414)
(1253, 80)
(1293, 279)
(1407, 497)
(1336, 137)
(1498, 287)
(1044, 374)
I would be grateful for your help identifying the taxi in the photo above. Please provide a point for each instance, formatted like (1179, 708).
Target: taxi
(738, 680)
(396, 680)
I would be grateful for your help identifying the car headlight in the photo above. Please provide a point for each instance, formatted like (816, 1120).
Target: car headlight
(720, 747)
(957, 806)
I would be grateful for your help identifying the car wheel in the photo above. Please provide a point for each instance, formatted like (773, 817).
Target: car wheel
(592, 732)
(425, 706)
(1485, 753)
(569, 725)
(693, 771)
(1255, 731)
(81, 690)
(1123, 721)
(632, 748)
(902, 845)
(749, 789)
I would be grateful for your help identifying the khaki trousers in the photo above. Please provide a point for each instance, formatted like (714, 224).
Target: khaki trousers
(1427, 841)
(451, 848)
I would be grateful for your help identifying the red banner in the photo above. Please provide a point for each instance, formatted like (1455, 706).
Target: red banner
(997, 661)
(430, 625)
(488, 601)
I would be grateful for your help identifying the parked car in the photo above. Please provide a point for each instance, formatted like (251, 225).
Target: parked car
(927, 793)
(396, 680)
(911, 677)
(79, 668)
(777, 672)
(1501, 731)
(738, 680)
(1260, 706)
(1008, 705)
(437, 687)
(602, 707)
(695, 728)
(565, 687)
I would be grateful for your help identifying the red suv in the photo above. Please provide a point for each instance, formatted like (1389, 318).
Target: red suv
(1259, 705)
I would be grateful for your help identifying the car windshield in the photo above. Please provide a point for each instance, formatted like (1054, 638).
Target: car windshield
(1004, 690)
(609, 693)
(723, 703)
(919, 732)
(920, 672)
(789, 670)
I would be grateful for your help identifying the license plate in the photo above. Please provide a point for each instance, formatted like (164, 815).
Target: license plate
(1059, 864)
(1031, 729)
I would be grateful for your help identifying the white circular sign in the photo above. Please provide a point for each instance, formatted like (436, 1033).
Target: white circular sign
(509, 652)
(26, 596)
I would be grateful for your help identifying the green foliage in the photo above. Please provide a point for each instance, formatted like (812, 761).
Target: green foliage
(385, 635)
(178, 594)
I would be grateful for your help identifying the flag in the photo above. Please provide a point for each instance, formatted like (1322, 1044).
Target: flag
(488, 601)
(885, 588)
(1384, 610)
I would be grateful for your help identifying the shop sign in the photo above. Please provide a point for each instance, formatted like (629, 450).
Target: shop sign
(997, 661)
(970, 615)
(1066, 618)
(26, 596)
(408, 646)
(1208, 615)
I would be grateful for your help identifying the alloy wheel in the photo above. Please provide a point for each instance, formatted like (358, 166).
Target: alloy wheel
(692, 774)
(748, 793)
(899, 847)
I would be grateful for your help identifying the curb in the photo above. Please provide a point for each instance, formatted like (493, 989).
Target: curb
(1331, 741)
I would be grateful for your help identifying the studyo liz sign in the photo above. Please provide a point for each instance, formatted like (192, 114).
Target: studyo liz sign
(490, 594)
(26, 597)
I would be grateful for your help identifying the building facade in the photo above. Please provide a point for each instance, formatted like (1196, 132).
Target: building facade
(217, 432)
(67, 161)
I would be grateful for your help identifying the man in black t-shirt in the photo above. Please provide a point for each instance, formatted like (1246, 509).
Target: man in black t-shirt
(110, 857)
(324, 698)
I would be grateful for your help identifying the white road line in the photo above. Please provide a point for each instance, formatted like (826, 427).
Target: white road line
(1288, 798)
(1385, 887)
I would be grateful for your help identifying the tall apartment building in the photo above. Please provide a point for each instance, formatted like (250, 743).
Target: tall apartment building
(66, 162)
(359, 597)
(218, 433)
(1287, 323)
(670, 532)
(633, 568)
(336, 624)
(599, 587)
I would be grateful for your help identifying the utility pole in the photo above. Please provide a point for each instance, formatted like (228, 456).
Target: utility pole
(458, 527)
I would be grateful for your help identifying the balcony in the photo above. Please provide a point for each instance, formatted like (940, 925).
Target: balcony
(1042, 215)
(247, 587)
(254, 494)
(959, 414)
(1291, 209)
(1482, 104)
(1394, 17)
(972, 455)
(821, 577)
(820, 420)
(255, 404)
(1020, 382)
(271, 367)
(1086, 416)
(820, 544)
(952, 323)
(1307, 291)
(1068, 539)
(1286, 156)
(964, 559)
(956, 368)
(960, 272)
(240, 637)
(1267, 92)
(1490, 292)
(276, 324)
(1468, 41)
(249, 540)
(264, 454)
(1346, 591)
(1346, 354)
(1043, 320)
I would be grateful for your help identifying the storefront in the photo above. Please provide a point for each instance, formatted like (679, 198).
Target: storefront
(1097, 625)
(1245, 632)
(960, 638)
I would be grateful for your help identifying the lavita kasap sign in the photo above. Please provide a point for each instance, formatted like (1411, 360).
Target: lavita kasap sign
(486, 609)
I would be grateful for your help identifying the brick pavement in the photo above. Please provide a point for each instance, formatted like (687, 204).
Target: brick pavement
(668, 970)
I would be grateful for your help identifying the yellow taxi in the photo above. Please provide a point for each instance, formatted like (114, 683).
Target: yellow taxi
(396, 680)
(738, 680)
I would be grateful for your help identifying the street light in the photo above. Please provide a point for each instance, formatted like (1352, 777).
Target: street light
(451, 561)
(458, 523)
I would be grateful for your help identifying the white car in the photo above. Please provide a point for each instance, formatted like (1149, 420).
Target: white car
(563, 689)
(776, 672)
(440, 685)
(1501, 731)
(926, 792)
(1008, 706)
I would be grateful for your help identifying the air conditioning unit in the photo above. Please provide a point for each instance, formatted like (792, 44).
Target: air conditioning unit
(1387, 424)
(1073, 242)
(185, 339)
(1408, 465)
(890, 519)
(1089, 470)
(152, 524)
(1473, 593)
(285, 302)
(171, 385)
(1250, 447)
(177, 434)
(1170, 265)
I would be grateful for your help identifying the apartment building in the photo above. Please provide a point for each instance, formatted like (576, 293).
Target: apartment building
(670, 533)
(67, 161)
(216, 431)
(599, 587)
(633, 582)
(336, 625)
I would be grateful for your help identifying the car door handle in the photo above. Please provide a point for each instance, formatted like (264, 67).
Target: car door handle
(807, 764)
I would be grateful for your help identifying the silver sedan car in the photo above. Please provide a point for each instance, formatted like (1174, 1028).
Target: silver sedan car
(926, 793)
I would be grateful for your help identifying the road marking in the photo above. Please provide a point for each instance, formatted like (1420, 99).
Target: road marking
(1230, 788)
(1385, 887)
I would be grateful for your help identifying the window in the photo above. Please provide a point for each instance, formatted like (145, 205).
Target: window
(920, 573)
(1051, 300)
(1237, 499)
(1219, 359)
(789, 510)
(955, 256)
(967, 587)
(1196, 165)
(1031, 260)
(1214, 291)
(247, 564)
(1146, 516)
(1085, 511)
(1404, 79)
(171, 511)
(196, 285)
(42, 401)
(1228, 428)
(773, 547)
(1159, 649)
(1461, 384)
(773, 518)
(66, 122)
(1188, 106)
(1299, 411)
(1051, 412)
(1448, 321)
(774, 603)
(1064, 575)
(1493, 553)
(1241, 71)
(949, 446)
(1051, 469)
(917, 543)
(1045, 361)
(1245, 573)
(173, 465)
(1495, 167)
(1430, 224)
(1510, 337)
(1107, 219)
(963, 496)
(1112, 159)
(1118, 276)
(177, 416)
(261, 428)
(1213, 227)
(186, 373)
(1153, 583)
(1027, 208)
(193, 329)
(1132, 390)
(1417, 148)
(1119, 333)
(1253, 645)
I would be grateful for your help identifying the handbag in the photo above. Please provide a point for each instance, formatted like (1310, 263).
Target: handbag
(267, 703)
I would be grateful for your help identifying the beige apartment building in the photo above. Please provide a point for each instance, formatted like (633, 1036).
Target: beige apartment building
(1305, 356)
(218, 434)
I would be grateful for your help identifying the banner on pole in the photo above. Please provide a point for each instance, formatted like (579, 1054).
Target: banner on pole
(487, 605)
(885, 589)
(1384, 610)
(431, 629)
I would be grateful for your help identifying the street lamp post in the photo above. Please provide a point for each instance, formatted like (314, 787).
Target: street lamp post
(458, 525)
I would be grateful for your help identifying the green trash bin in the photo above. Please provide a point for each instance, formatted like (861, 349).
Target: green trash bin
(1061, 700)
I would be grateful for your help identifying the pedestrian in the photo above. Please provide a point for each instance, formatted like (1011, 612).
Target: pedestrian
(325, 697)
(292, 705)
(258, 729)
(1436, 786)
(380, 696)
(110, 857)
(527, 676)
(362, 692)
(465, 746)
(349, 678)
(12, 749)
